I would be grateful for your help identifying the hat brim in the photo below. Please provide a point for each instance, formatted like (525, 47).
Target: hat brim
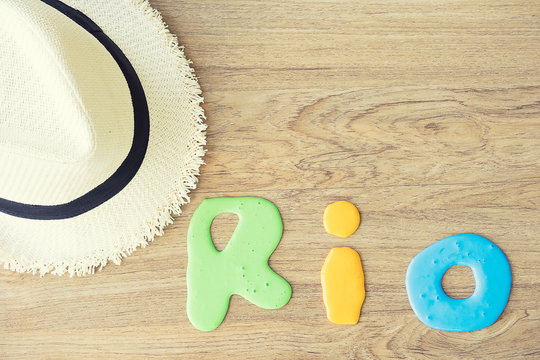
(133, 216)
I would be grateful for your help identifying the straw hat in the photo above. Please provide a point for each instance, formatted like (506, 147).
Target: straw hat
(101, 132)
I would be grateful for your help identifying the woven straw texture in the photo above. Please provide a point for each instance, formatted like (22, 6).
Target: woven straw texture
(133, 217)
(68, 112)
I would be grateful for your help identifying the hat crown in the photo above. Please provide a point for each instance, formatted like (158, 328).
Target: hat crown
(42, 98)
(66, 106)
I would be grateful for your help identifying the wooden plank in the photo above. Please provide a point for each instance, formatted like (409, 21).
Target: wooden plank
(245, 45)
(375, 137)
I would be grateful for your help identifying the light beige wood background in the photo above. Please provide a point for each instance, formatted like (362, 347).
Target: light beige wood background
(425, 114)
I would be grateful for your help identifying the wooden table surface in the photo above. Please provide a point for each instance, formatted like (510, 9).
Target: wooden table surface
(424, 114)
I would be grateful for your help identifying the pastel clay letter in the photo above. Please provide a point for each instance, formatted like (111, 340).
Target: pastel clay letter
(341, 219)
(343, 286)
(493, 282)
(241, 268)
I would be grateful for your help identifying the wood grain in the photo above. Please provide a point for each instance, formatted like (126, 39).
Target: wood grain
(425, 114)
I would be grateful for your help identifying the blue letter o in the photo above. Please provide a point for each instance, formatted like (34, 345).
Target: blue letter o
(492, 276)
